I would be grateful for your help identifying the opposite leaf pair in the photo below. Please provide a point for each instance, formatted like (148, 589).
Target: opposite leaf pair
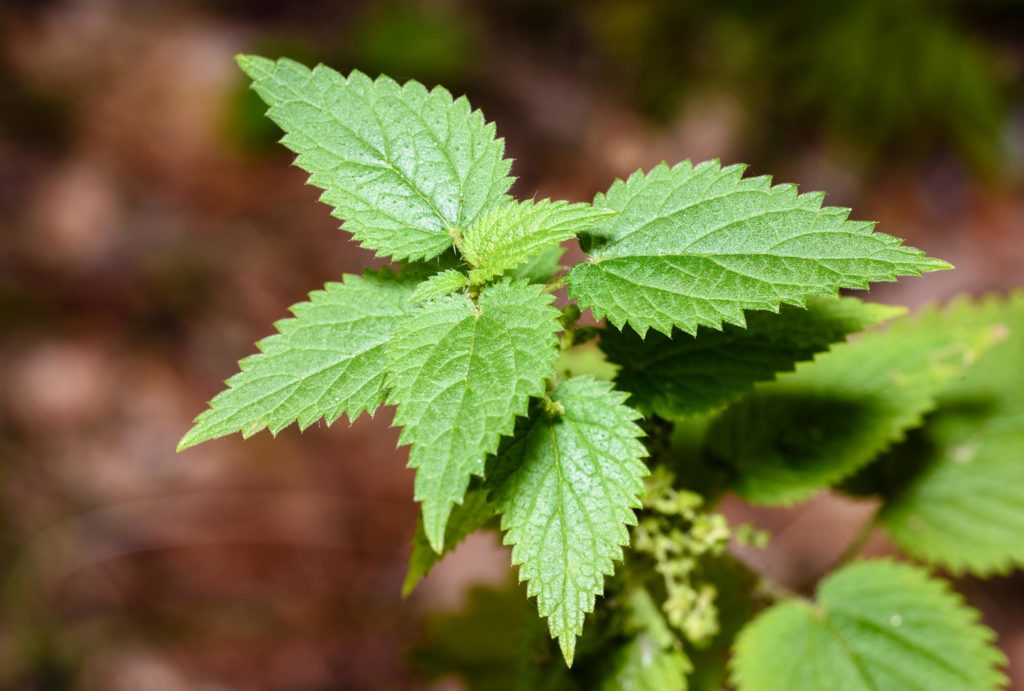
(461, 348)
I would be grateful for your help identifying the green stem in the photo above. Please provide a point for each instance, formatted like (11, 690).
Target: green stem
(775, 591)
(456, 236)
(555, 283)
(855, 547)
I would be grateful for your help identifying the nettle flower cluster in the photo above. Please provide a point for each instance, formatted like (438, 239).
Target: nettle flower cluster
(713, 284)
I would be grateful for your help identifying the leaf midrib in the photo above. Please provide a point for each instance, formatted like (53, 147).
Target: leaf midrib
(385, 155)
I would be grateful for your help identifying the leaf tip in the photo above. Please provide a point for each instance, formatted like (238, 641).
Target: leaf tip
(253, 65)
(412, 579)
(888, 312)
(191, 438)
(434, 527)
(567, 642)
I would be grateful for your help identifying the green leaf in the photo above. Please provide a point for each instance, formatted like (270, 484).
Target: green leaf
(641, 664)
(699, 245)
(567, 486)
(461, 373)
(585, 358)
(653, 659)
(963, 508)
(404, 167)
(439, 284)
(510, 234)
(329, 359)
(815, 426)
(473, 513)
(542, 267)
(965, 512)
(483, 644)
(426, 268)
(685, 375)
(738, 598)
(876, 626)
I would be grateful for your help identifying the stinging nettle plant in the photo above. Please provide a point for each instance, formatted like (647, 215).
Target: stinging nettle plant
(725, 367)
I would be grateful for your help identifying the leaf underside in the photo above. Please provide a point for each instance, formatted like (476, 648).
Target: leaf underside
(329, 359)
(693, 246)
(876, 626)
(686, 375)
(460, 374)
(567, 486)
(401, 165)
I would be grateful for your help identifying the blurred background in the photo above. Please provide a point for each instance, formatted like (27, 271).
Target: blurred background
(151, 230)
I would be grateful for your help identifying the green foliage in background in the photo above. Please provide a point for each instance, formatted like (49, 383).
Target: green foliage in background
(729, 362)
(875, 79)
(954, 490)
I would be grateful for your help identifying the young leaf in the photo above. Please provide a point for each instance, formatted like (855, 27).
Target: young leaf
(474, 512)
(686, 375)
(814, 426)
(541, 267)
(567, 486)
(699, 245)
(439, 284)
(461, 372)
(329, 359)
(876, 626)
(402, 166)
(964, 509)
(514, 232)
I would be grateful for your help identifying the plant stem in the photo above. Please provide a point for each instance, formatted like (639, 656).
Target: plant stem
(456, 236)
(776, 591)
(859, 541)
(555, 283)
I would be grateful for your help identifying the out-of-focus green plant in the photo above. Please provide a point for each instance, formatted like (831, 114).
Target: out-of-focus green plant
(886, 76)
(413, 41)
(877, 79)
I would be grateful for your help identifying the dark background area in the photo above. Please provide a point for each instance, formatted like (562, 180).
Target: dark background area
(151, 230)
